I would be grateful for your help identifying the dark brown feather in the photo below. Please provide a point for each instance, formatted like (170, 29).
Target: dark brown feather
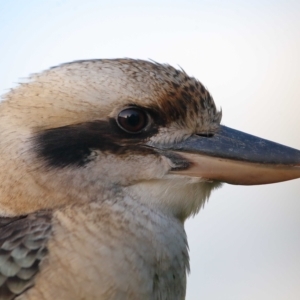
(23, 244)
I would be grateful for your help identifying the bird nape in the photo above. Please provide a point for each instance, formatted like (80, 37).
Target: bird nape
(101, 163)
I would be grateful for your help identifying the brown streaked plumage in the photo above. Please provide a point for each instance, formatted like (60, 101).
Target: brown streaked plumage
(101, 163)
(23, 243)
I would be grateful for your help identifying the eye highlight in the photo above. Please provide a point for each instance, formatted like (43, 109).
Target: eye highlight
(132, 120)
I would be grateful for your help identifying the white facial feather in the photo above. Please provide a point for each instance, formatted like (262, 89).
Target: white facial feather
(114, 207)
(97, 90)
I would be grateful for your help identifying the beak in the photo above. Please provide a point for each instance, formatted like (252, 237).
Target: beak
(237, 158)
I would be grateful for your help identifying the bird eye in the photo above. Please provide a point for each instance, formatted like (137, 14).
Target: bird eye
(132, 120)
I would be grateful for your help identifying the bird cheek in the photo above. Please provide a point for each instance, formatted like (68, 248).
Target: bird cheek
(128, 169)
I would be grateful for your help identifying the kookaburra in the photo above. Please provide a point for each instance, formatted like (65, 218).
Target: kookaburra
(101, 162)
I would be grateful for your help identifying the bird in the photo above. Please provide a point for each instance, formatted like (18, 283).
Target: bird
(101, 163)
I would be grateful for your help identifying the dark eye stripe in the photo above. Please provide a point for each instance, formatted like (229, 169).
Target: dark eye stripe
(72, 145)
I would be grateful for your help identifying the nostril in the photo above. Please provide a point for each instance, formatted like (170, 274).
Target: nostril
(207, 135)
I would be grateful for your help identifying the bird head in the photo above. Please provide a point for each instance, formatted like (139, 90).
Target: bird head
(147, 130)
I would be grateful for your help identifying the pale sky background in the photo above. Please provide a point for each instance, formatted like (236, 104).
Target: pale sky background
(245, 244)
